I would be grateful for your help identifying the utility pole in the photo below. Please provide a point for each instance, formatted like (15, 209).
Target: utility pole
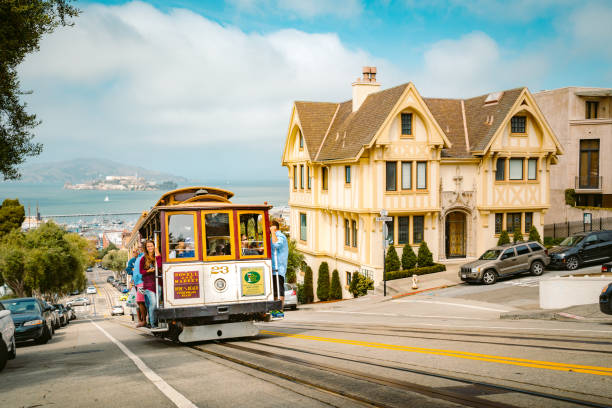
(384, 218)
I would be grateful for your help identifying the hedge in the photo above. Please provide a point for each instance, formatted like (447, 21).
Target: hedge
(416, 271)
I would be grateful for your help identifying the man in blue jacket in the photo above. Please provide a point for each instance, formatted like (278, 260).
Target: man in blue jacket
(280, 254)
(133, 269)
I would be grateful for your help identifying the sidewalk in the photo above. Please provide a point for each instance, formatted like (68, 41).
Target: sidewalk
(581, 313)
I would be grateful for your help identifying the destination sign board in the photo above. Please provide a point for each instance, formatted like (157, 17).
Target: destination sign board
(186, 285)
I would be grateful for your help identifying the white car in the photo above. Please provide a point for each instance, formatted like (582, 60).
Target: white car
(8, 349)
(117, 310)
(91, 290)
(82, 301)
(290, 297)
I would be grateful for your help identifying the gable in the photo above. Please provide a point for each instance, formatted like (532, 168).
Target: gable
(315, 118)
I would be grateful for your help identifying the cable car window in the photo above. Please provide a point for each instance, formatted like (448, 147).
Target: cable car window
(218, 235)
(181, 236)
(252, 235)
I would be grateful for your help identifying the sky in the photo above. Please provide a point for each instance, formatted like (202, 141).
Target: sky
(204, 89)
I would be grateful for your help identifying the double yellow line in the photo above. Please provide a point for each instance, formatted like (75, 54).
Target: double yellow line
(548, 365)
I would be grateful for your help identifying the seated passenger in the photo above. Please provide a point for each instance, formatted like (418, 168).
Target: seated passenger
(188, 250)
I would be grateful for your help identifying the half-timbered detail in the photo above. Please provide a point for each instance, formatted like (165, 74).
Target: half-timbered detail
(450, 172)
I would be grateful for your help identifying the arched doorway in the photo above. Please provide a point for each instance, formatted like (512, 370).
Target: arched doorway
(455, 236)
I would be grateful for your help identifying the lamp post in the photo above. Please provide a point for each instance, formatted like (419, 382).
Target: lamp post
(384, 218)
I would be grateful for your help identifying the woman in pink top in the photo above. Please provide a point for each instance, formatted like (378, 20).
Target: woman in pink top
(147, 269)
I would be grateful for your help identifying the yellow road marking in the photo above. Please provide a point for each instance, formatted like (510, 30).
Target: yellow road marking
(549, 365)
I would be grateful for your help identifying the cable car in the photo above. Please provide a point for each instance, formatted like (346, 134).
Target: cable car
(216, 275)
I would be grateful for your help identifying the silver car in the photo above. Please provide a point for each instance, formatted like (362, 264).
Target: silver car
(8, 349)
(290, 297)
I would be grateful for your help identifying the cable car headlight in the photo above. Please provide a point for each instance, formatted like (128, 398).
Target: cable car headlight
(220, 284)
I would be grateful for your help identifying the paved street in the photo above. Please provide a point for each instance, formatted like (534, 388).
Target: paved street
(445, 348)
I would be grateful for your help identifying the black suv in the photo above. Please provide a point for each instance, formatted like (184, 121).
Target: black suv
(32, 317)
(584, 247)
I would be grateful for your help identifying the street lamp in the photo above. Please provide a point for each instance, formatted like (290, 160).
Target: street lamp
(384, 218)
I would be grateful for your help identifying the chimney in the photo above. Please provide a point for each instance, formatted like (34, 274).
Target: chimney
(364, 86)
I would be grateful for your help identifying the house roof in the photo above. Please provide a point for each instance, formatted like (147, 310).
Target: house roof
(334, 132)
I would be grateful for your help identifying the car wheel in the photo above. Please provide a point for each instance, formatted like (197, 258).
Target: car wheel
(294, 307)
(489, 277)
(45, 337)
(537, 268)
(3, 355)
(572, 263)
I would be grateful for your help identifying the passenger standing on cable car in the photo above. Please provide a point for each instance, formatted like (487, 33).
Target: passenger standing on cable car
(129, 269)
(280, 254)
(137, 279)
(147, 268)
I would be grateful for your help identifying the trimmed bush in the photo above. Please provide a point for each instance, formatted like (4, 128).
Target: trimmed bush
(550, 241)
(534, 235)
(424, 257)
(517, 236)
(335, 291)
(354, 283)
(504, 238)
(415, 271)
(364, 285)
(307, 289)
(570, 197)
(290, 277)
(392, 262)
(323, 282)
(409, 258)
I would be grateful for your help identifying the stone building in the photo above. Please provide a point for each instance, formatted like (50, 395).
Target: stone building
(451, 172)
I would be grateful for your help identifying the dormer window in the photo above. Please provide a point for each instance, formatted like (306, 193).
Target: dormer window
(591, 109)
(406, 124)
(518, 124)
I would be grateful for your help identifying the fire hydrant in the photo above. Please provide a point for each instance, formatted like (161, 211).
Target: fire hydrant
(415, 282)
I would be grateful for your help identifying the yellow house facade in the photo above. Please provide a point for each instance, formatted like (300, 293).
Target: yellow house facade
(450, 172)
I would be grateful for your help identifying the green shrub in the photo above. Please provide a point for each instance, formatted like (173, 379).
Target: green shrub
(504, 238)
(335, 291)
(307, 289)
(323, 282)
(290, 277)
(392, 262)
(424, 257)
(517, 235)
(364, 285)
(301, 294)
(550, 241)
(354, 283)
(415, 271)
(409, 259)
(570, 197)
(534, 235)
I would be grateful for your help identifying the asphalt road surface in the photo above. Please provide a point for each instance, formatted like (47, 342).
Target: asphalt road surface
(428, 351)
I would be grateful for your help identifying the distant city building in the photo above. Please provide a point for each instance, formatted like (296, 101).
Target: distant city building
(451, 172)
(114, 237)
(582, 121)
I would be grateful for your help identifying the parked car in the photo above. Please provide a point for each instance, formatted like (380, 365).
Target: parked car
(582, 248)
(124, 289)
(63, 313)
(110, 279)
(89, 269)
(75, 292)
(82, 301)
(117, 310)
(607, 267)
(123, 298)
(71, 313)
(605, 299)
(91, 290)
(32, 318)
(56, 317)
(506, 260)
(290, 297)
(8, 345)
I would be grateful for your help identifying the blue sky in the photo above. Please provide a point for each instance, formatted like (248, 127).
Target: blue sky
(204, 89)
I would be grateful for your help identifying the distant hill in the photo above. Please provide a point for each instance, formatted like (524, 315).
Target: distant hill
(83, 170)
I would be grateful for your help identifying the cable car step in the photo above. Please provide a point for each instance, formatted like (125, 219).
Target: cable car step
(218, 331)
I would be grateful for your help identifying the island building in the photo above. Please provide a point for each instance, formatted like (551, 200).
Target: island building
(581, 119)
(451, 172)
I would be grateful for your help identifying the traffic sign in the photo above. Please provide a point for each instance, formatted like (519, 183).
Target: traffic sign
(384, 218)
(383, 213)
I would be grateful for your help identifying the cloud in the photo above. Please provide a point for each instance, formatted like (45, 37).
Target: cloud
(301, 8)
(592, 29)
(132, 77)
(474, 64)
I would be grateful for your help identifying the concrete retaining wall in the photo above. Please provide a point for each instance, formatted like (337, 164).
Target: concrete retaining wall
(560, 292)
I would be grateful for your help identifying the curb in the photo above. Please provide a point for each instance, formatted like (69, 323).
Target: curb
(401, 295)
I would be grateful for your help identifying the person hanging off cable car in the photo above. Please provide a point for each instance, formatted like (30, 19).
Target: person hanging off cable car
(147, 268)
(280, 254)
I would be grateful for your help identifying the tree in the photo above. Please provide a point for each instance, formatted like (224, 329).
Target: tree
(335, 291)
(409, 259)
(115, 260)
(307, 290)
(295, 262)
(354, 282)
(323, 282)
(517, 236)
(24, 22)
(504, 238)
(12, 215)
(392, 262)
(360, 284)
(534, 235)
(424, 257)
(102, 252)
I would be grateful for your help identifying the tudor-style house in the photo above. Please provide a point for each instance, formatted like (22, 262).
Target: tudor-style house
(451, 172)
